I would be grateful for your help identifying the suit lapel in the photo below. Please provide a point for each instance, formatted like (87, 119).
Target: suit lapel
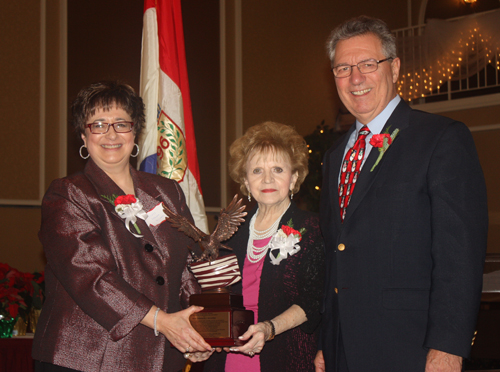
(398, 119)
(105, 186)
(150, 197)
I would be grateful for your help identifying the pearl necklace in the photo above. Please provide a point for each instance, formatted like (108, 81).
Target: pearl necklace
(255, 254)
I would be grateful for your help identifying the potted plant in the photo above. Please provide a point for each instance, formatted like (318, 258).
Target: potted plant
(12, 302)
(21, 299)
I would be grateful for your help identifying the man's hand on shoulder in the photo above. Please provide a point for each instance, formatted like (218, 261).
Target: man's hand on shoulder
(439, 361)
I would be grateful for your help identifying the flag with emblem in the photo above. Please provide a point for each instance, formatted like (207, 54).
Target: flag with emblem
(167, 142)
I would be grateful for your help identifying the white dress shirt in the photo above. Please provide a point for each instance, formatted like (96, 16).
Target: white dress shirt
(375, 126)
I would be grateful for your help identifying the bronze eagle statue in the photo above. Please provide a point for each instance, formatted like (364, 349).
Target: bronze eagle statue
(229, 219)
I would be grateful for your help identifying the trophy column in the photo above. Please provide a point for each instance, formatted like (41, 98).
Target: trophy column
(224, 317)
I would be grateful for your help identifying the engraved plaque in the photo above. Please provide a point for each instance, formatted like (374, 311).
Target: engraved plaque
(223, 318)
(212, 324)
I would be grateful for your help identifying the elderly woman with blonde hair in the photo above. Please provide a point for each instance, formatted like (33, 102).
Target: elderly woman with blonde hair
(280, 250)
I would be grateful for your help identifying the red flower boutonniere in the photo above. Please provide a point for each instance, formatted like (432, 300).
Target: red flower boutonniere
(125, 199)
(129, 208)
(285, 240)
(288, 230)
(382, 142)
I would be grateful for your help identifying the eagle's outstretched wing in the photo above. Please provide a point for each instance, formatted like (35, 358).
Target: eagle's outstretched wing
(229, 219)
(182, 224)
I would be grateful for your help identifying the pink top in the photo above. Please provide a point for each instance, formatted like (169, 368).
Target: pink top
(236, 362)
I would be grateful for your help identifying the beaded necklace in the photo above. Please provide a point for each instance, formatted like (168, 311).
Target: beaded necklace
(255, 254)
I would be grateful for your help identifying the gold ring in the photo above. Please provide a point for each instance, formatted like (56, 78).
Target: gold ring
(187, 355)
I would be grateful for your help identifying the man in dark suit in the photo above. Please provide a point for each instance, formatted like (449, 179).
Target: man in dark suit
(404, 217)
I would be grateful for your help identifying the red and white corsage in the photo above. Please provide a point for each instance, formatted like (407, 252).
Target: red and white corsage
(129, 208)
(285, 242)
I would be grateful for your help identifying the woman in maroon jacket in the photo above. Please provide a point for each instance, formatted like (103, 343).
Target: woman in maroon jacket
(116, 280)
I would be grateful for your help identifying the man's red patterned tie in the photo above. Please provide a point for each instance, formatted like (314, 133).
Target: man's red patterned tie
(350, 170)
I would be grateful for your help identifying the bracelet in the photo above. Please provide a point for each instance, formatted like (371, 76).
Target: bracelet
(273, 330)
(156, 316)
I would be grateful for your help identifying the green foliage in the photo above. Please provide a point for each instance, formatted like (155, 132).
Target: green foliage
(110, 199)
(318, 142)
(302, 230)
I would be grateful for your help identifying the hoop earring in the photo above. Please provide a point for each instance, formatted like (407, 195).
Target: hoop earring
(249, 197)
(84, 157)
(137, 146)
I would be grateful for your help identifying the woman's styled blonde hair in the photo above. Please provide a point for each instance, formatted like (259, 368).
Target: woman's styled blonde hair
(269, 137)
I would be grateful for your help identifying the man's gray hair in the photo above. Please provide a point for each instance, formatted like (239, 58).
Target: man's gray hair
(363, 25)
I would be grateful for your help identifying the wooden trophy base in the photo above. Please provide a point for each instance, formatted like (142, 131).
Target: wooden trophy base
(223, 318)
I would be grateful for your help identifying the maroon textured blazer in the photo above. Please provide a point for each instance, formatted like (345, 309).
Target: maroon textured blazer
(101, 280)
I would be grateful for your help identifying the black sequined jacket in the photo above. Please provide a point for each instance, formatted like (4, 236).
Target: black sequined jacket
(296, 280)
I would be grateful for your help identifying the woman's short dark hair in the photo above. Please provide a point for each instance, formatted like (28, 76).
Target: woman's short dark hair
(105, 95)
(269, 137)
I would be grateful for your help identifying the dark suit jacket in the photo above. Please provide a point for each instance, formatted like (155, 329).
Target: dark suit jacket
(410, 276)
(101, 280)
(296, 280)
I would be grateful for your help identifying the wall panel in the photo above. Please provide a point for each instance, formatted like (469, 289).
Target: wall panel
(20, 61)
